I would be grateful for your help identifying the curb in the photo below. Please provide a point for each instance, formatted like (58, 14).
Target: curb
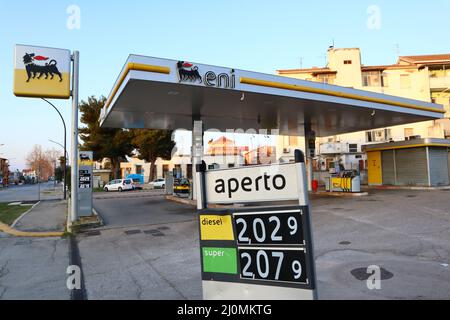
(408, 188)
(194, 203)
(14, 232)
(340, 194)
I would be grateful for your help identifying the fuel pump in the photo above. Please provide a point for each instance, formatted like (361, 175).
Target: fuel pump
(344, 181)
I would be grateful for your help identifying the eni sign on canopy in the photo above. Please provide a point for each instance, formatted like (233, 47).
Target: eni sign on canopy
(41, 72)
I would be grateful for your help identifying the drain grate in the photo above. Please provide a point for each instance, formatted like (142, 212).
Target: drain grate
(130, 232)
(93, 233)
(411, 196)
(151, 231)
(345, 243)
(361, 274)
(163, 228)
(155, 232)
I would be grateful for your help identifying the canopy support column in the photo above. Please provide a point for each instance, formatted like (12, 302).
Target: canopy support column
(310, 150)
(196, 151)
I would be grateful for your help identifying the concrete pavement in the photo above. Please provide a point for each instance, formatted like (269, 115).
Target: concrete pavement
(405, 232)
(136, 209)
(35, 268)
(49, 215)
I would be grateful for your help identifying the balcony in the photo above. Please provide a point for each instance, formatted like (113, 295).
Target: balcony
(440, 82)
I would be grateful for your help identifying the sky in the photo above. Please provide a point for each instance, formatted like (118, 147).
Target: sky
(254, 35)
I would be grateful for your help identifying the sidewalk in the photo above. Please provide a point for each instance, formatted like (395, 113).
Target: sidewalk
(47, 215)
(35, 268)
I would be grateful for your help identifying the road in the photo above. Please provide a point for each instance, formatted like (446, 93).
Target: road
(149, 248)
(142, 208)
(31, 192)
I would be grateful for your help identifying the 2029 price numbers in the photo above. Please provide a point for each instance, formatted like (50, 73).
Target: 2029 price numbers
(269, 229)
(287, 265)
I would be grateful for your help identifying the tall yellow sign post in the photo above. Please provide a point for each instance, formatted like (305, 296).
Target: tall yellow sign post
(41, 72)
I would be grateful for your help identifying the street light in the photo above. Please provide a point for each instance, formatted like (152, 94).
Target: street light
(66, 156)
(59, 144)
(65, 150)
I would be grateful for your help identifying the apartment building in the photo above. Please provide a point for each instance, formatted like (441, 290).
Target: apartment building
(425, 77)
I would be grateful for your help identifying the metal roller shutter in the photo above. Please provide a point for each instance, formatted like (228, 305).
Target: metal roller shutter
(387, 163)
(438, 166)
(412, 166)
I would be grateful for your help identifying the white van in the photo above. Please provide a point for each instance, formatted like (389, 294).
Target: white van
(119, 185)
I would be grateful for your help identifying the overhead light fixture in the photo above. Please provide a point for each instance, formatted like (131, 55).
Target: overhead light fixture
(243, 96)
(373, 113)
(173, 93)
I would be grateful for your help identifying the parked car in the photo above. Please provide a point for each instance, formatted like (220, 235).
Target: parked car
(159, 183)
(181, 186)
(119, 185)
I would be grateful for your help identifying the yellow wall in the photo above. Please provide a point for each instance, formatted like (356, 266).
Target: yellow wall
(374, 168)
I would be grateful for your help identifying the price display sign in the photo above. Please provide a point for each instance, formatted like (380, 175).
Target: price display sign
(278, 265)
(257, 246)
(256, 252)
(270, 228)
(84, 179)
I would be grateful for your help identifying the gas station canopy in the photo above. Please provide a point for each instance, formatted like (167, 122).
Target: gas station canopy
(168, 94)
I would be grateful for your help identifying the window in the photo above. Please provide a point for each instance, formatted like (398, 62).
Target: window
(325, 78)
(165, 169)
(371, 79)
(408, 132)
(293, 141)
(347, 61)
(189, 171)
(380, 135)
(353, 148)
(138, 169)
(405, 81)
(384, 80)
(231, 165)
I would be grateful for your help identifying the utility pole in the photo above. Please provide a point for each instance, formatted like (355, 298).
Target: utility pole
(74, 147)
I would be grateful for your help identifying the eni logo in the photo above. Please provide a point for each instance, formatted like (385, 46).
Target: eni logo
(187, 72)
(33, 68)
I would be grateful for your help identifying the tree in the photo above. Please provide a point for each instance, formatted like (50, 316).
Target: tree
(112, 143)
(152, 144)
(41, 162)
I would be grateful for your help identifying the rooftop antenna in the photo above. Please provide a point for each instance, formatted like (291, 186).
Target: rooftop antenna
(397, 50)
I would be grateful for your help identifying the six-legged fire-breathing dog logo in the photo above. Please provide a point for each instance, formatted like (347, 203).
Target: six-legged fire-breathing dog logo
(33, 69)
(188, 72)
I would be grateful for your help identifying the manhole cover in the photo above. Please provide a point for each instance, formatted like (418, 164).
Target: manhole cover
(337, 209)
(345, 243)
(129, 232)
(362, 274)
(411, 196)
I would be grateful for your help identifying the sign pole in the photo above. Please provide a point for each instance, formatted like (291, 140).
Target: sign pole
(74, 147)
